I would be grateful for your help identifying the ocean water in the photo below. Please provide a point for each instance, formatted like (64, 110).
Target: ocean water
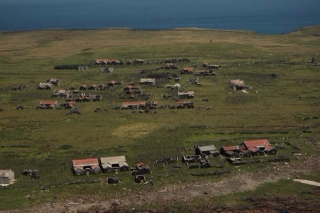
(265, 17)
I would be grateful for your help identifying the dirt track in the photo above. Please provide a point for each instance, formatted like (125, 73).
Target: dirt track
(182, 192)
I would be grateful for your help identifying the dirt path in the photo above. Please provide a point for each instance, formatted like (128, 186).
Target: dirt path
(186, 192)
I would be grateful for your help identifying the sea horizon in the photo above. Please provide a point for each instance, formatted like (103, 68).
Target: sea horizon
(272, 17)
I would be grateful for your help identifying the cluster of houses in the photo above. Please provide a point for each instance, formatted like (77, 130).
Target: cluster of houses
(20, 87)
(232, 153)
(49, 84)
(139, 105)
(200, 159)
(113, 164)
(98, 165)
(249, 148)
(51, 104)
(132, 89)
(140, 61)
(245, 149)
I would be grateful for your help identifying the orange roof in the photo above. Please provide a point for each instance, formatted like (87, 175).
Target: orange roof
(141, 164)
(130, 103)
(261, 142)
(48, 102)
(79, 162)
(254, 145)
(188, 68)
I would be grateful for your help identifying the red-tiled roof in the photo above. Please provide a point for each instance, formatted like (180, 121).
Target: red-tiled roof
(188, 68)
(141, 164)
(48, 102)
(254, 145)
(261, 142)
(126, 103)
(79, 162)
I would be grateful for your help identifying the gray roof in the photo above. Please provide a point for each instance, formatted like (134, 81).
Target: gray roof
(107, 161)
(147, 80)
(6, 173)
(207, 148)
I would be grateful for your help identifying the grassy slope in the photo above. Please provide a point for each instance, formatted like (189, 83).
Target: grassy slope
(276, 107)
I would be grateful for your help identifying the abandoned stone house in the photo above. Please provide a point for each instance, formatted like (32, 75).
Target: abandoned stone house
(186, 95)
(82, 166)
(68, 104)
(235, 151)
(259, 147)
(191, 158)
(54, 81)
(187, 70)
(142, 168)
(170, 66)
(20, 87)
(238, 85)
(43, 86)
(147, 81)
(83, 68)
(114, 83)
(138, 61)
(93, 87)
(205, 64)
(204, 73)
(83, 87)
(206, 150)
(60, 93)
(107, 69)
(132, 89)
(139, 105)
(101, 61)
(130, 105)
(95, 97)
(6, 176)
(214, 66)
(114, 62)
(185, 104)
(112, 164)
(148, 104)
(47, 104)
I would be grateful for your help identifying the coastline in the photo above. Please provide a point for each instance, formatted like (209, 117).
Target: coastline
(153, 30)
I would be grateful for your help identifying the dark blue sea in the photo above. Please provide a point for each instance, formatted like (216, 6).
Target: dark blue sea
(262, 16)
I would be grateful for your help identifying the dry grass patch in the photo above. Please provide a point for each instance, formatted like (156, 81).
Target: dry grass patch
(135, 130)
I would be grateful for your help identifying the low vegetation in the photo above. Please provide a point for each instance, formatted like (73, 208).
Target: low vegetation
(282, 106)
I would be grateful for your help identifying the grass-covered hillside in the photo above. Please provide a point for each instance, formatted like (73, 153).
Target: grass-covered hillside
(282, 106)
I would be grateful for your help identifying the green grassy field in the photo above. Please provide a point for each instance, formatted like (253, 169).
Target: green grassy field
(283, 104)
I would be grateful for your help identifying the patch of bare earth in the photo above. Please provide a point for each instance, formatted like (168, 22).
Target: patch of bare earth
(188, 192)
